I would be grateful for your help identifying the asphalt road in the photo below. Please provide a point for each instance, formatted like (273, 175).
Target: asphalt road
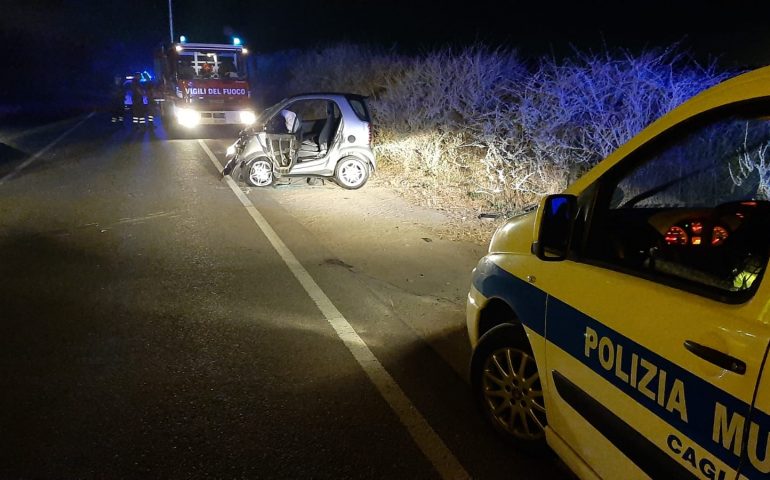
(150, 329)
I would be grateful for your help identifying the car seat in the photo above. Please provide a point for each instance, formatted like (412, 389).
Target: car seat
(328, 129)
(309, 148)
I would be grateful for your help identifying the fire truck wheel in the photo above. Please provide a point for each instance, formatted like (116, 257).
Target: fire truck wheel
(260, 173)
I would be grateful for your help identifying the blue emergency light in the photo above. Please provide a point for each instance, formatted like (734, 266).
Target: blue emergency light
(182, 39)
(236, 41)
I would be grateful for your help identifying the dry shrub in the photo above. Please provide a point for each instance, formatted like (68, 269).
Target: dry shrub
(447, 90)
(475, 129)
(436, 117)
(575, 113)
(343, 68)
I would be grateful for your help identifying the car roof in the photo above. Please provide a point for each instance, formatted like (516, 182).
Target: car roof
(749, 86)
(327, 96)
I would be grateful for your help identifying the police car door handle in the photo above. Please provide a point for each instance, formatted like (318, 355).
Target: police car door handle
(716, 357)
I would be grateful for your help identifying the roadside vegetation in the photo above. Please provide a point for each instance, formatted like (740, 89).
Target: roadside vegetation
(481, 131)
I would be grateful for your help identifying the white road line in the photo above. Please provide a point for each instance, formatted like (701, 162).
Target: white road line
(37, 155)
(423, 434)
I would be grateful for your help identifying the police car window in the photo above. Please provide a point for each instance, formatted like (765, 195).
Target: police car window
(694, 212)
(719, 163)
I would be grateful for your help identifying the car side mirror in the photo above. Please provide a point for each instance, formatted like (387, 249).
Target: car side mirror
(556, 218)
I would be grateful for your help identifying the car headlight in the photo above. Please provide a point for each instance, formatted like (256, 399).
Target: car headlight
(230, 151)
(188, 117)
(247, 117)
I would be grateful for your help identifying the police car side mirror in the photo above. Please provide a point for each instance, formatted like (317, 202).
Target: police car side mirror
(556, 218)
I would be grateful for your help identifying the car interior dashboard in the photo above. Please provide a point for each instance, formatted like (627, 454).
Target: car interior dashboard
(724, 247)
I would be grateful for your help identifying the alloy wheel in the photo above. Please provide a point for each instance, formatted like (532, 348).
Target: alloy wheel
(513, 394)
(261, 174)
(352, 173)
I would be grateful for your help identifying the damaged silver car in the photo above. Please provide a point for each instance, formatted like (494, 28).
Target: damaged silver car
(319, 135)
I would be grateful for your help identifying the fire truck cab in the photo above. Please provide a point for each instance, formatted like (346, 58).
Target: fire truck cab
(204, 84)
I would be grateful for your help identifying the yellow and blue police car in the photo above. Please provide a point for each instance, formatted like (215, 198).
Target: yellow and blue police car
(625, 323)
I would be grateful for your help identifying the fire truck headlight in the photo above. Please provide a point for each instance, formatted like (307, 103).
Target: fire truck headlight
(188, 117)
(247, 117)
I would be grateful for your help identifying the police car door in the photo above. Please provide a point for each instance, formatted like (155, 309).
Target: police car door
(757, 431)
(656, 335)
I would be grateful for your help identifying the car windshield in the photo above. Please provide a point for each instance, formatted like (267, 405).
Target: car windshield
(270, 111)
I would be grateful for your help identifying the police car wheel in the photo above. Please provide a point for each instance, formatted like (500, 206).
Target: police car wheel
(260, 173)
(507, 389)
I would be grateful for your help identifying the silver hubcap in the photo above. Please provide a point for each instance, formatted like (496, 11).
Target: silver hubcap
(261, 173)
(352, 173)
(513, 393)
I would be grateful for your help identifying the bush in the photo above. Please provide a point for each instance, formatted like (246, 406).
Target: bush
(477, 128)
(576, 113)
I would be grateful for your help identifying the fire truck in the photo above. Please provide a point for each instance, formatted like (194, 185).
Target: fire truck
(203, 84)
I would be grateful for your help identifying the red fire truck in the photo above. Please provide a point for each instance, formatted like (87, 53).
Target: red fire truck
(203, 84)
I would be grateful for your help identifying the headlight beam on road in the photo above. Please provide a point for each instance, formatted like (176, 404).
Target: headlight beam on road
(431, 445)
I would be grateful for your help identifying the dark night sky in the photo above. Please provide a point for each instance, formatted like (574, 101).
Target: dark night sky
(75, 40)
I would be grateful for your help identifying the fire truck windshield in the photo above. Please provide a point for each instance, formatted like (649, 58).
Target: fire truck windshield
(197, 65)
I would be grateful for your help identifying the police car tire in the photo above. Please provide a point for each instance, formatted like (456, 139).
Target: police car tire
(502, 336)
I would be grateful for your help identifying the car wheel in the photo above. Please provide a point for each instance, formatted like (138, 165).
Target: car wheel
(260, 173)
(352, 173)
(507, 389)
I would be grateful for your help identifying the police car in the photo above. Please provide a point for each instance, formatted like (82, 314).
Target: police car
(625, 323)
